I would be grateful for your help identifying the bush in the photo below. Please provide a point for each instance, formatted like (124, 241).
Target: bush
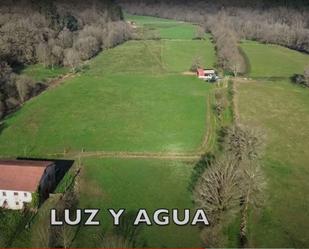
(71, 58)
(24, 85)
(2, 109)
(87, 47)
(196, 64)
(300, 79)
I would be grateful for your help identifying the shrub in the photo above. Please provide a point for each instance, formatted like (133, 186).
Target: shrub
(87, 47)
(196, 64)
(71, 58)
(24, 85)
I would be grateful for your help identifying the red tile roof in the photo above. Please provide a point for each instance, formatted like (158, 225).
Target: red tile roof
(22, 175)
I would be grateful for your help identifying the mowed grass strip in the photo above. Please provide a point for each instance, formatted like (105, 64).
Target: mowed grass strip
(274, 61)
(281, 110)
(135, 184)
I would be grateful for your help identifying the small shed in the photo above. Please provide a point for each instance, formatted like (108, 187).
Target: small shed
(206, 74)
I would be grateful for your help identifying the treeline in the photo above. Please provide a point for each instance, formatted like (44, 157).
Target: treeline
(232, 186)
(279, 22)
(54, 33)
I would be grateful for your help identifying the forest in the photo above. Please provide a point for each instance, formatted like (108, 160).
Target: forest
(53, 33)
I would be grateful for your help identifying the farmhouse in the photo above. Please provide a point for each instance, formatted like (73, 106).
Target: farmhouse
(19, 179)
(206, 74)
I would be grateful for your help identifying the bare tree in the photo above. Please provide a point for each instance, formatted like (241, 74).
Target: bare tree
(200, 32)
(217, 190)
(115, 241)
(71, 58)
(43, 53)
(23, 85)
(306, 74)
(244, 142)
(253, 185)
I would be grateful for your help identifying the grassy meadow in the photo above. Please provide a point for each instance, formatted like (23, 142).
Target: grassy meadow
(130, 98)
(114, 110)
(134, 97)
(273, 61)
(40, 73)
(164, 28)
(135, 184)
(280, 109)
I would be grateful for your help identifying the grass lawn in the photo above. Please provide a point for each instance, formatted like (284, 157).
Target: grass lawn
(134, 184)
(281, 109)
(40, 73)
(274, 61)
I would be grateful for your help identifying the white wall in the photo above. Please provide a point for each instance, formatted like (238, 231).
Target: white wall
(14, 201)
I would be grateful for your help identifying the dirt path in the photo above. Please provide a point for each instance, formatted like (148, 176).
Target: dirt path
(56, 82)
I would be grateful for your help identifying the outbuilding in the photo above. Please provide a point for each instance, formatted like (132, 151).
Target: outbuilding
(206, 74)
(19, 179)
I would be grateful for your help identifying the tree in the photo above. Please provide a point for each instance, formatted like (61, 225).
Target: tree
(217, 190)
(115, 241)
(244, 142)
(306, 74)
(71, 58)
(218, 193)
(200, 33)
(253, 184)
(196, 64)
(87, 47)
(2, 109)
(23, 86)
(43, 53)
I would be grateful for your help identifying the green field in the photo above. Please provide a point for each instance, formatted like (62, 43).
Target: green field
(164, 28)
(135, 184)
(40, 73)
(132, 98)
(267, 61)
(280, 110)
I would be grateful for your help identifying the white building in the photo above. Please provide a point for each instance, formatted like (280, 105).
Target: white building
(207, 74)
(19, 179)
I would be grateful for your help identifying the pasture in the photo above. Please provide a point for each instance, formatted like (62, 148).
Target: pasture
(132, 98)
(271, 103)
(164, 28)
(135, 184)
(115, 113)
(281, 110)
(40, 73)
(272, 61)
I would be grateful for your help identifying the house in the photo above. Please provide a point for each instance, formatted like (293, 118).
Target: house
(207, 74)
(19, 179)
